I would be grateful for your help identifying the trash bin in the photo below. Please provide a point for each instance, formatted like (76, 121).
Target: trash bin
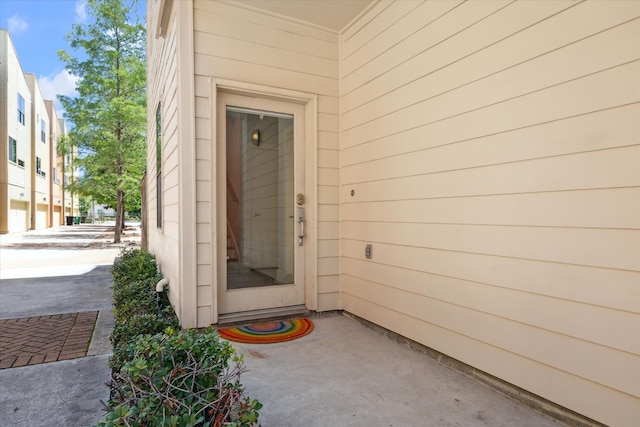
(76, 220)
(69, 220)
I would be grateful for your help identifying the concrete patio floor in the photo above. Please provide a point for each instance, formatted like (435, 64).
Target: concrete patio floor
(347, 374)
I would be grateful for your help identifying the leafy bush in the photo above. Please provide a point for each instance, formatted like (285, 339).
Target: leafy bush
(138, 308)
(165, 378)
(134, 265)
(181, 379)
(125, 333)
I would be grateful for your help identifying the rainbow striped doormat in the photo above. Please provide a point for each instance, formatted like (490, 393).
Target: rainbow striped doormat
(269, 332)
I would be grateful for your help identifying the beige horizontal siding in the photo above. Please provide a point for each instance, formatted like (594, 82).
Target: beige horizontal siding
(522, 35)
(328, 301)
(272, 28)
(430, 33)
(243, 45)
(575, 390)
(488, 294)
(546, 71)
(581, 246)
(590, 93)
(274, 57)
(490, 156)
(406, 18)
(204, 197)
(517, 336)
(598, 169)
(589, 208)
(555, 138)
(225, 21)
(162, 85)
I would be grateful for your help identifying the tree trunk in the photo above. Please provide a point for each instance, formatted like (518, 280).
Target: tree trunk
(122, 224)
(119, 217)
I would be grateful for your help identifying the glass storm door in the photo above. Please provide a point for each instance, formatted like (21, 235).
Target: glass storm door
(260, 204)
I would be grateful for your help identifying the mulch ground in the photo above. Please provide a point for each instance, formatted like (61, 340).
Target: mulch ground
(32, 340)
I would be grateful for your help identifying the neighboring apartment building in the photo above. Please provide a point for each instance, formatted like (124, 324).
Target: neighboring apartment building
(70, 201)
(465, 174)
(40, 152)
(15, 141)
(31, 172)
(56, 212)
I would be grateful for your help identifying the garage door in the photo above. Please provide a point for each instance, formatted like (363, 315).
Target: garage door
(18, 219)
(41, 216)
(57, 217)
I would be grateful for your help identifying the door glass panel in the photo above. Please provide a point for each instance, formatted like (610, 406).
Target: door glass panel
(260, 199)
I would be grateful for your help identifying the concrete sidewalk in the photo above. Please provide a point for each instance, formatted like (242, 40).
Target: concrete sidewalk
(61, 251)
(46, 278)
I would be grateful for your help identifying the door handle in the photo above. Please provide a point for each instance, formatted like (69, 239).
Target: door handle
(301, 223)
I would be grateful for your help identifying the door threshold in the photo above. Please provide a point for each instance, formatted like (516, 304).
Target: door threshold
(262, 315)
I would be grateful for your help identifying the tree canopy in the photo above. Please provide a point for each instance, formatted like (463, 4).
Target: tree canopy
(108, 117)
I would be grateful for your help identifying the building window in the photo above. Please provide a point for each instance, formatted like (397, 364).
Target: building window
(55, 176)
(21, 116)
(39, 170)
(159, 166)
(13, 150)
(43, 131)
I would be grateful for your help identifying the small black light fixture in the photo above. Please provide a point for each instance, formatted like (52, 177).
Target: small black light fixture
(255, 137)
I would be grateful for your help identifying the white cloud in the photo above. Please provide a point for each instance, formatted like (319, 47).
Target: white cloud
(81, 11)
(16, 24)
(63, 83)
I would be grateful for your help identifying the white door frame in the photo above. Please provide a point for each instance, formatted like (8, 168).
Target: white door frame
(309, 101)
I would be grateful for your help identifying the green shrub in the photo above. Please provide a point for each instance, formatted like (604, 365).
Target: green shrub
(134, 298)
(134, 265)
(138, 308)
(181, 379)
(166, 378)
(125, 333)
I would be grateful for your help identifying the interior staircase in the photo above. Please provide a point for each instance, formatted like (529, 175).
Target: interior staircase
(232, 248)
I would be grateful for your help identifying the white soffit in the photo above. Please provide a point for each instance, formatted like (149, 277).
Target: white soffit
(331, 14)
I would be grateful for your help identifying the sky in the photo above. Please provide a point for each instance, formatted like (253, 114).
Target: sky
(38, 29)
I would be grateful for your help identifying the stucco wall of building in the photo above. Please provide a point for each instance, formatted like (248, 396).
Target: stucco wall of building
(40, 152)
(15, 178)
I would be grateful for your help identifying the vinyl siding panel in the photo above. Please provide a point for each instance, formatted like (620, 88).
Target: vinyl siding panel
(242, 45)
(238, 56)
(164, 241)
(553, 138)
(522, 370)
(406, 17)
(328, 301)
(225, 20)
(492, 149)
